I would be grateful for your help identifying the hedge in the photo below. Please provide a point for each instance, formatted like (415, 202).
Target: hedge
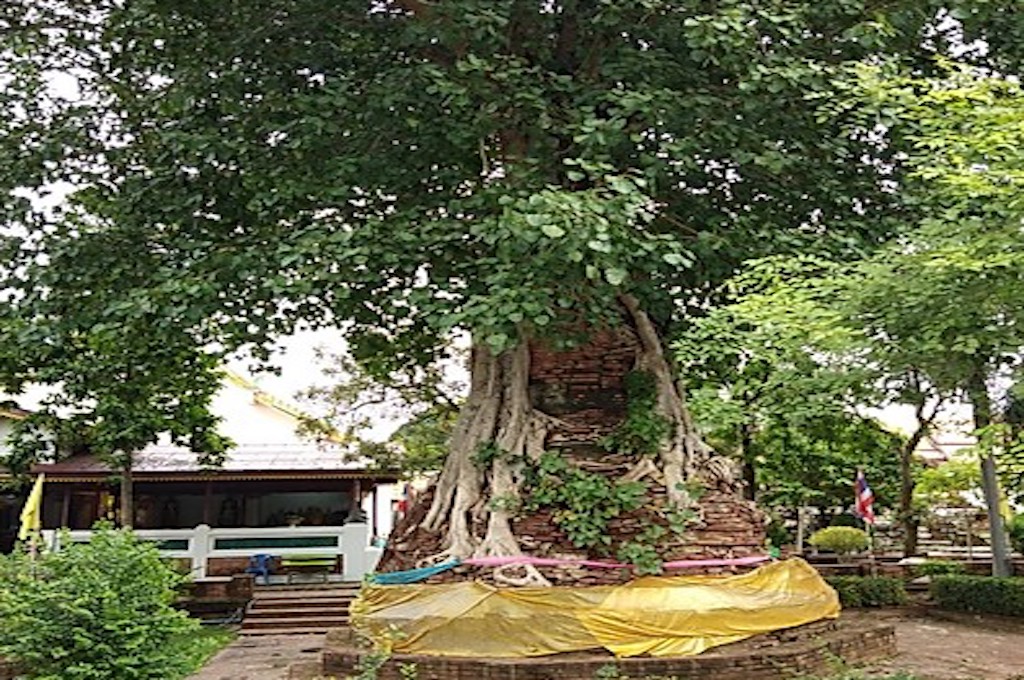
(935, 568)
(868, 591)
(982, 594)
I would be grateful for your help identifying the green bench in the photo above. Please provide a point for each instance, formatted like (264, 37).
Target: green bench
(322, 565)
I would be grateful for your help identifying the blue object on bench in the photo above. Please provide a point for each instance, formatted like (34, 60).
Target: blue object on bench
(260, 565)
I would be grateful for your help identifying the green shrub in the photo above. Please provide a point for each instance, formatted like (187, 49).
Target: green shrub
(868, 591)
(99, 610)
(1015, 527)
(842, 540)
(937, 568)
(983, 594)
(777, 533)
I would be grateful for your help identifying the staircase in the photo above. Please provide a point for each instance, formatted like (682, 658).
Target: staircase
(298, 610)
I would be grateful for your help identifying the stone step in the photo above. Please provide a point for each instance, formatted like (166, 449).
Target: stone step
(260, 603)
(305, 594)
(288, 623)
(312, 586)
(296, 612)
(298, 630)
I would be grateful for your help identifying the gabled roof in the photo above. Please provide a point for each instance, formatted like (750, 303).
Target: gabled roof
(268, 446)
(248, 461)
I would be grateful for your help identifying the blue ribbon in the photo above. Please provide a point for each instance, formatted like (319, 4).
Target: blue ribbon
(397, 578)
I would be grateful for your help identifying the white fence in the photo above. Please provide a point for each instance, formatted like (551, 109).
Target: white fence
(351, 542)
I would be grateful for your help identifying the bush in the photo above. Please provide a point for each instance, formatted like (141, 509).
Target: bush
(937, 568)
(99, 610)
(982, 594)
(1015, 528)
(842, 540)
(777, 533)
(868, 591)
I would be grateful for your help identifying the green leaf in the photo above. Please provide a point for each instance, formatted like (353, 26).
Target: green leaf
(615, 276)
(553, 231)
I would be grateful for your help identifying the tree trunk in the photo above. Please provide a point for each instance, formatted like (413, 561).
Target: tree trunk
(749, 466)
(127, 498)
(500, 431)
(982, 406)
(497, 414)
(908, 518)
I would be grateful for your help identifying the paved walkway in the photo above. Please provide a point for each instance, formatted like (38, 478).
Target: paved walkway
(949, 646)
(261, 657)
(954, 647)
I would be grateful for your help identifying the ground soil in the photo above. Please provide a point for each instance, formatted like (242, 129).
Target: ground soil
(932, 645)
(937, 645)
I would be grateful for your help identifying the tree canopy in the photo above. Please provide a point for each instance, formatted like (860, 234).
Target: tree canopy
(404, 169)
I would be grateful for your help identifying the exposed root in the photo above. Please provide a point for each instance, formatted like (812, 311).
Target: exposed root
(683, 452)
(521, 434)
(473, 505)
(721, 472)
(531, 576)
(460, 483)
(497, 411)
(435, 559)
(644, 468)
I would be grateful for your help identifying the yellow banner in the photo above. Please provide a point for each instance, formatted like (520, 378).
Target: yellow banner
(657, 616)
(32, 513)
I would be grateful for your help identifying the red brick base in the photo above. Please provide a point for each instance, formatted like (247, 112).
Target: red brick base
(809, 655)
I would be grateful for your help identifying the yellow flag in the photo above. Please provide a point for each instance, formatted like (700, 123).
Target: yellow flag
(32, 513)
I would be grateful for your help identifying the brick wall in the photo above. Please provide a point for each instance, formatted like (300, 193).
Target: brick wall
(583, 386)
(226, 566)
(810, 657)
(235, 587)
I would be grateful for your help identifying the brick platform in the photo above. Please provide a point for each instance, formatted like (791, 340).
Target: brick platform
(809, 650)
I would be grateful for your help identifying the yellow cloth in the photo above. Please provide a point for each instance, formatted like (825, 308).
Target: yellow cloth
(32, 513)
(659, 616)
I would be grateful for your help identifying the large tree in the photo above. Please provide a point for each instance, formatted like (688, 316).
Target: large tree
(525, 172)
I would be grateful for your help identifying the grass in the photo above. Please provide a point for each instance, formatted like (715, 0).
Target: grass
(206, 642)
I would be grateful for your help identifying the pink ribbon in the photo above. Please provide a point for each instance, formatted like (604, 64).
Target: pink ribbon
(554, 562)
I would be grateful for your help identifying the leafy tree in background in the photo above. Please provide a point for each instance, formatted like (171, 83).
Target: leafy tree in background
(521, 171)
(781, 353)
(813, 463)
(958, 275)
(425, 398)
(758, 361)
(949, 484)
(936, 313)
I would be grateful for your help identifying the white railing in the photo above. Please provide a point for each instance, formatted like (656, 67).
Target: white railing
(351, 542)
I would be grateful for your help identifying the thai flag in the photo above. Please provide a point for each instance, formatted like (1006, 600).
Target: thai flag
(864, 499)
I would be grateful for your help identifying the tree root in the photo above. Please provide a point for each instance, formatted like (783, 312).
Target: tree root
(530, 578)
(644, 468)
(497, 412)
(683, 452)
(499, 420)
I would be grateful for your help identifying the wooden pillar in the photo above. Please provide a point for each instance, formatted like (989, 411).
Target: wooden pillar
(374, 531)
(354, 511)
(208, 503)
(65, 508)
